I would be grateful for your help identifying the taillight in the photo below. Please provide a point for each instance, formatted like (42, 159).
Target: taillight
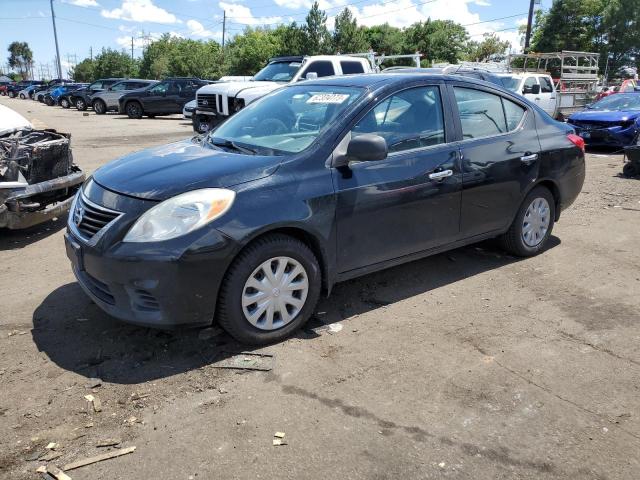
(577, 140)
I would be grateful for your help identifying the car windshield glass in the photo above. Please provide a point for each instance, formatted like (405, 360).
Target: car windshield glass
(286, 121)
(620, 102)
(511, 83)
(278, 72)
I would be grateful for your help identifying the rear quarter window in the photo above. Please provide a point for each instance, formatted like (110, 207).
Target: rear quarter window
(351, 67)
(322, 67)
(545, 85)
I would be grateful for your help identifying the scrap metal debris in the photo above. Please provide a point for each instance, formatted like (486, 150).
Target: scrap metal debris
(38, 178)
(94, 402)
(278, 439)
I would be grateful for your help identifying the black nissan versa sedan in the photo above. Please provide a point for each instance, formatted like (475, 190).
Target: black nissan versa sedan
(315, 183)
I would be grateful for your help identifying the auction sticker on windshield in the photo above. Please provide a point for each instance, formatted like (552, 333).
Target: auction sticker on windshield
(328, 98)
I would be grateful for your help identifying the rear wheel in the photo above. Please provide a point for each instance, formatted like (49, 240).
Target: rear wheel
(133, 110)
(99, 107)
(81, 104)
(12, 95)
(630, 170)
(270, 290)
(49, 101)
(22, 96)
(533, 224)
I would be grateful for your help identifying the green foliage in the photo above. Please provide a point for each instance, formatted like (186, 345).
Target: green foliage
(20, 58)
(112, 63)
(347, 37)
(249, 52)
(291, 40)
(439, 40)
(384, 39)
(490, 48)
(318, 39)
(84, 71)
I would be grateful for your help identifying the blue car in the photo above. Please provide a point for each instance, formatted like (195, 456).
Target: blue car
(54, 95)
(613, 121)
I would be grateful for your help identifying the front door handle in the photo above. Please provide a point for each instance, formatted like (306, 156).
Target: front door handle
(529, 158)
(440, 175)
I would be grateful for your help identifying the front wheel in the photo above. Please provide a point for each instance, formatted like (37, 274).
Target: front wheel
(81, 104)
(64, 103)
(134, 110)
(270, 290)
(49, 101)
(533, 224)
(99, 107)
(22, 96)
(12, 95)
(630, 170)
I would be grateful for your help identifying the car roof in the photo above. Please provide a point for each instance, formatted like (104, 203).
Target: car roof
(393, 77)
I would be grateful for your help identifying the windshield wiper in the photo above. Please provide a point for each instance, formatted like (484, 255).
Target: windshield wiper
(231, 145)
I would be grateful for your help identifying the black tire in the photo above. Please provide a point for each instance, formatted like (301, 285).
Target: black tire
(49, 101)
(99, 107)
(230, 315)
(134, 110)
(12, 95)
(64, 103)
(513, 240)
(22, 97)
(201, 123)
(81, 105)
(629, 170)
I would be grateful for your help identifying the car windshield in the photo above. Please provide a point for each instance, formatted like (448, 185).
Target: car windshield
(285, 121)
(619, 102)
(278, 72)
(510, 83)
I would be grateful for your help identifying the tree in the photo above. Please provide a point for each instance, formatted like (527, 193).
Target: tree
(84, 71)
(249, 52)
(156, 57)
(621, 24)
(347, 37)
(21, 58)
(195, 58)
(384, 39)
(291, 40)
(439, 40)
(318, 39)
(490, 48)
(111, 63)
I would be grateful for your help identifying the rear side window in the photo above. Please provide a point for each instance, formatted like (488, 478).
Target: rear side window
(483, 114)
(351, 67)
(119, 86)
(322, 68)
(545, 85)
(410, 119)
(96, 86)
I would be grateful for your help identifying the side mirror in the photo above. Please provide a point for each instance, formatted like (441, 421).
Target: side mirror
(311, 76)
(535, 89)
(367, 147)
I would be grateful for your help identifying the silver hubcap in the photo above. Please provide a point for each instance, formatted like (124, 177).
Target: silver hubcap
(536, 222)
(274, 293)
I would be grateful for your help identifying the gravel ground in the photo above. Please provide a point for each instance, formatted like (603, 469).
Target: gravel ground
(467, 365)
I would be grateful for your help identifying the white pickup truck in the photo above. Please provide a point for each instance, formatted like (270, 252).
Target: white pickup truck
(218, 101)
(536, 87)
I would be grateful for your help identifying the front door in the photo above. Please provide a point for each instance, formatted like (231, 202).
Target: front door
(499, 151)
(410, 201)
(156, 100)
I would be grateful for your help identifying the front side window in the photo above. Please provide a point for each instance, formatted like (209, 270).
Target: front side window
(119, 87)
(409, 119)
(95, 86)
(483, 114)
(323, 68)
(160, 88)
(278, 72)
(545, 85)
(286, 121)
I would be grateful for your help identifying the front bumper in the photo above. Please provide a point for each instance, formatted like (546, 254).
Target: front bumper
(615, 136)
(163, 284)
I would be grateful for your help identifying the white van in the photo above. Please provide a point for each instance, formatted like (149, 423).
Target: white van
(535, 87)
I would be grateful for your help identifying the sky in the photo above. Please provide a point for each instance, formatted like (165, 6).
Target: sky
(89, 25)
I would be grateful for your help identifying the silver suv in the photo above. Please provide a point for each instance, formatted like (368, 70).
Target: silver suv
(107, 100)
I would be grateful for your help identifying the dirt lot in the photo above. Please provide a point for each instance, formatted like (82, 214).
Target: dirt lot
(467, 365)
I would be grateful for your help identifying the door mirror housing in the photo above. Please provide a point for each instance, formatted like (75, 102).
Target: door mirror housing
(533, 89)
(367, 147)
(311, 76)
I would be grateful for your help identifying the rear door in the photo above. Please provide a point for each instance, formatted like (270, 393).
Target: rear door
(410, 201)
(499, 150)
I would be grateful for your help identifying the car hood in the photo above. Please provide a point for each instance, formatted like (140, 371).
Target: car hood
(233, 88)
(605, 116)
(162, 172)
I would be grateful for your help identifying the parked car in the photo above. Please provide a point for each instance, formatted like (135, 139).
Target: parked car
(30, 91)
(218, 101)
(83, 98)
(627, 86)
(3, 88)
(536, 87)
(315, 183)
(49, 87)
(14, 90)
(165, 98)
(107, 100)
(613, 121)
(188, 109)
(54, 96)
(64, 99)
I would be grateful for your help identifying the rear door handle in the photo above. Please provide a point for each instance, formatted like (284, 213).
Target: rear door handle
(529, 158)
(440, 175)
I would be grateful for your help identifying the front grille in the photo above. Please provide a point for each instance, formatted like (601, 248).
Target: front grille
(90, 218)
(207, 100)
(143, 300)
(99, 289)
(592, 125)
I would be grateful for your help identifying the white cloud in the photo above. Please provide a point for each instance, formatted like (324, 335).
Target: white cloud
(140, 11)
(82, 3)
(196, 29)
(482, 3)
(242, 14)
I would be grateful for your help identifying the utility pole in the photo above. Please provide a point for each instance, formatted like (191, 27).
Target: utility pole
(224, 25)
(55, 36)
(527, 38)
(132, 49)
(91, 53)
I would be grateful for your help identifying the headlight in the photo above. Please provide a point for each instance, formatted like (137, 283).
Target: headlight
(180, 215)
